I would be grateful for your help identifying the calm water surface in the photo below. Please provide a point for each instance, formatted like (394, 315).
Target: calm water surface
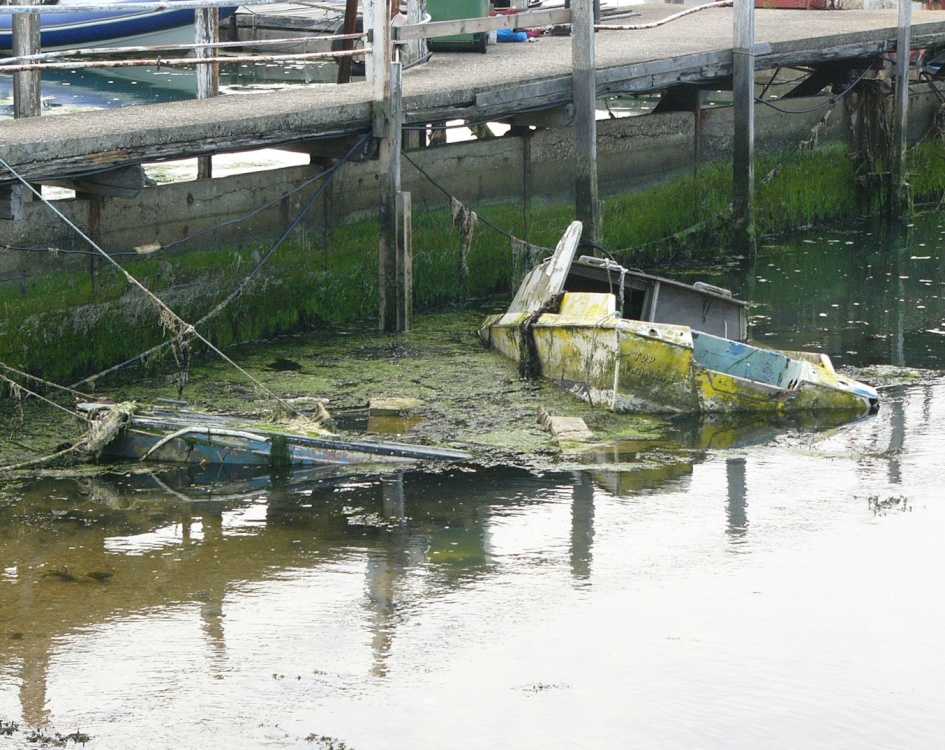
(776, 588)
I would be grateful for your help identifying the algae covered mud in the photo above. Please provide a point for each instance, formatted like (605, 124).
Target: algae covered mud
(677, 583)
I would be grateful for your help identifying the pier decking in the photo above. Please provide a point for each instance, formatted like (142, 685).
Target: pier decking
(510, 79)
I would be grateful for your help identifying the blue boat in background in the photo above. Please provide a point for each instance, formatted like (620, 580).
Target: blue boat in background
(76, 30)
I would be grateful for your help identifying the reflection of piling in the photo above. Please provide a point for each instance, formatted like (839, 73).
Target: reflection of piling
(582, 526)
(735, 474)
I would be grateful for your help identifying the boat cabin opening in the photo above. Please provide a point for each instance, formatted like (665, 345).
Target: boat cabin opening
(640, 296)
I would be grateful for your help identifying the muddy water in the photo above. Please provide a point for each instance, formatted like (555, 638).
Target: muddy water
(732, 585)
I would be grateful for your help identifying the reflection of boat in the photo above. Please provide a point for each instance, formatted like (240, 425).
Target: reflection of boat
(72, 30)
(631, 342)
(182, 436)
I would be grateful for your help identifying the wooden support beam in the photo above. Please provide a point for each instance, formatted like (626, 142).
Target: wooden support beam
(587, 200)
(899, 189)
(348, 27)
(27, 100)
(743, 100)
(11, 201)
(123, 182)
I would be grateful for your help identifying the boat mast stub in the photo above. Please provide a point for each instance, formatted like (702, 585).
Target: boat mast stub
(547, 280)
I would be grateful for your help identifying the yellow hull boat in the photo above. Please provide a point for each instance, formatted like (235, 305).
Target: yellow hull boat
(678, 359)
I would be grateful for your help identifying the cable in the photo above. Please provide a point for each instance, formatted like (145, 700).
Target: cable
(832, 100)
(184, 328)
(451, 197)
(241, 287)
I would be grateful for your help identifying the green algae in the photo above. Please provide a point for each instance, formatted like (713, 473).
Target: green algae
(78, 318)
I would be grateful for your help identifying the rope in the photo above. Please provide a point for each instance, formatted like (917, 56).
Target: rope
(663, 21)
(20, 388)
(243, 284)
(181, 326)
(48, 383)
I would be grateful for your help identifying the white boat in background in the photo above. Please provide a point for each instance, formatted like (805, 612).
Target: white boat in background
(132, 28)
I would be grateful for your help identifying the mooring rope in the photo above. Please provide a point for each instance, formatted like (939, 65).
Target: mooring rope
(663, 21)
(182, 327)
(18, 387)
(48, 383)
(331, 173)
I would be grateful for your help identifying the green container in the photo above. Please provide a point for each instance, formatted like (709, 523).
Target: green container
(454, 10)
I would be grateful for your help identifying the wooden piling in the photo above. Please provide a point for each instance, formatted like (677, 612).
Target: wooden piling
(899, 189)
(349, 26)
(394, 251)
(743, 100)
(587, 199)
(207, 31)
(27, 98)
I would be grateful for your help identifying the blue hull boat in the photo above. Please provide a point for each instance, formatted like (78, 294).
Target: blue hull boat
(184, 437)
(76, 30)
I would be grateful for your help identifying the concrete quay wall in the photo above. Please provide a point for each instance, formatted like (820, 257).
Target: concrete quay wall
(633, 153)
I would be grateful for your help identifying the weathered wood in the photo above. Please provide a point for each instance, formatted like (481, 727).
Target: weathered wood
(206, 31)
(388, 128)
(743, 100)
(404, 263)
(899, 190)
(11, 202)
(27, 101)
(124, 182)
(348, 27)
(587, 199)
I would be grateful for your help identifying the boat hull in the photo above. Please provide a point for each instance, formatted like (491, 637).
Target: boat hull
(63, 31)
(638, 366)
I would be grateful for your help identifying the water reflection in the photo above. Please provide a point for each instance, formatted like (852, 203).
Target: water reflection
(484, 551)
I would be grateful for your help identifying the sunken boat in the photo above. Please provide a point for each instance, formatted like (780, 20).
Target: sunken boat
(632, 342)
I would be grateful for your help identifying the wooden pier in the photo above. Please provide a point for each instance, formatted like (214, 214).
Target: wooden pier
(511, 81)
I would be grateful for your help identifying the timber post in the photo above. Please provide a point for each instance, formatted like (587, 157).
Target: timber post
(27, 98)
(899, 187)
(394, 251)
(207, 31)
(587, 199)
(743, 100)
